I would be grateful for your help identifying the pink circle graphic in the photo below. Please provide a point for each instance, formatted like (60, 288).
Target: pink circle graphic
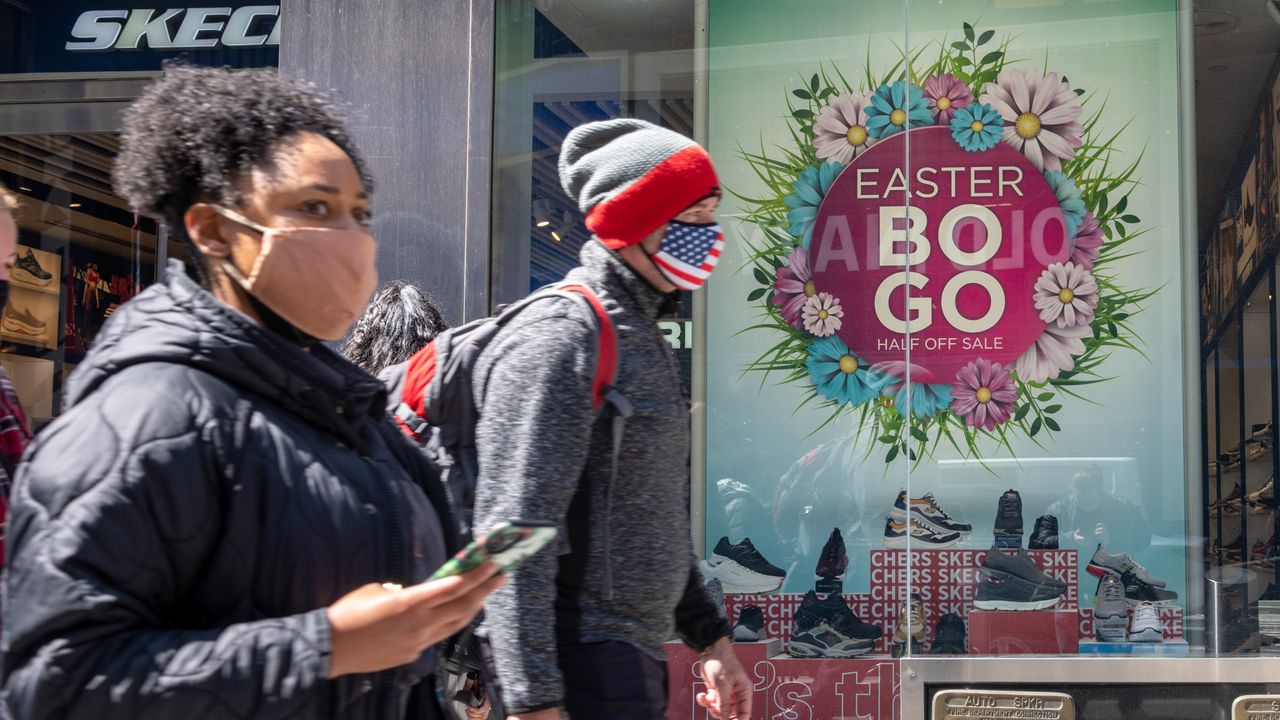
(980, 229)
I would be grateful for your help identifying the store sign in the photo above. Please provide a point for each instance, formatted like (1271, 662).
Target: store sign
(1004, 704)
(174, 29)
(1256, 707)
(969, 233)
(96, 36)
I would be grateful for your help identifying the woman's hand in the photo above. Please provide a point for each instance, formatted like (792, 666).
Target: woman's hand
(374, 628)
(479, 713)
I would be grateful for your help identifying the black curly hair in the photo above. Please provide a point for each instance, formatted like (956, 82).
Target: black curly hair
(196, 131)
(399, 321)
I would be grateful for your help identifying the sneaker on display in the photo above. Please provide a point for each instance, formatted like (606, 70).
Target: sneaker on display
(1226, 507)
(1266, 492)
(1138, 591)
(1253, 450)
(26, 269)
(1103, 563)
(741, 568)
(1045, 535)
(896, 532)
(1236, 492)
(1009, 514)
(1261, 547)
(1261, 431)
(750, 625)
(1110, 612)
(910, 625)
(837, 612)
(21, 322)
(821, 640)
(1146, 625)
(715, 589)
(833, 561)
(1011, 581)
(949, 637)
(927, 510)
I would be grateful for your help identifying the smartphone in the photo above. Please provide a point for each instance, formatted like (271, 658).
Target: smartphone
(506, 545)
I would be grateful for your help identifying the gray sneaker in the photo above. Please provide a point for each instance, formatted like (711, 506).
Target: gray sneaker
(1110, 613)
(1103, 563)
(22, 322)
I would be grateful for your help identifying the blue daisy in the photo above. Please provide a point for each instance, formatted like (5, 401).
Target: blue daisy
(977, 127)
(1068, 195)
(839, 375)
(895, 107)
(807, 193)
(927, 399)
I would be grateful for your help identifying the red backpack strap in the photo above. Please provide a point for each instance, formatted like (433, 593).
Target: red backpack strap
(418, 372)
(607, 365)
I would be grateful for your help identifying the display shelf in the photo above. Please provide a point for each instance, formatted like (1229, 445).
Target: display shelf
(33, 341)
(54, 289)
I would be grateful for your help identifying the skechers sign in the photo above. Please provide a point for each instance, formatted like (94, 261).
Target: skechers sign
(175, 29)
(93, 36)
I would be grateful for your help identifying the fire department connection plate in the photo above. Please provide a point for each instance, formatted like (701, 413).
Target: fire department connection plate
(1256, 707)
(1003, 705)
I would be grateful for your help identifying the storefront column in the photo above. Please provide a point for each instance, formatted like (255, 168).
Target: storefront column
(420, 80)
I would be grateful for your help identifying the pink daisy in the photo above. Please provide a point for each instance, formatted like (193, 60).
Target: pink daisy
(1041, 115)
(1087, 244)
(841, 128)
(946, 94)
(1052, 353)
(1066, 295)
(793, 287)
(983, 394)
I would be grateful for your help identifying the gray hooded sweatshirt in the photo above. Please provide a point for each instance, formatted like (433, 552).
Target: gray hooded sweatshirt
(623, 569)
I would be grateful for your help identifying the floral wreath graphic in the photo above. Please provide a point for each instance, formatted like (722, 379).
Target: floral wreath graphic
(983, 102)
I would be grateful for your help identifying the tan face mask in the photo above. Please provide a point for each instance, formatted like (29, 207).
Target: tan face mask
(318, 279)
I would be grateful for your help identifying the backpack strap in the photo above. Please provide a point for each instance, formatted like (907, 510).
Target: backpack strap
(605, 391)
(607, 360)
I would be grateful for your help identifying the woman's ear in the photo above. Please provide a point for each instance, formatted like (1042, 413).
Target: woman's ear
(203, 224)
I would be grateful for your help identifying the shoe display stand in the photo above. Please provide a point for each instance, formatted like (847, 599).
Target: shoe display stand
(1239, 418)
(31, 332)
(32, 314)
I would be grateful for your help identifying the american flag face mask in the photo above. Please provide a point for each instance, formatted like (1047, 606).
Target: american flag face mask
(689, 252)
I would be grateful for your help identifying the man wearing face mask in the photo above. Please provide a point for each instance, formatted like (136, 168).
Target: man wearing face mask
(582, 630)
(14, 433)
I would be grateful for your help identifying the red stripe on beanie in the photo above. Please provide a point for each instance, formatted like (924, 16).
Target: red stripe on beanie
(659, 195)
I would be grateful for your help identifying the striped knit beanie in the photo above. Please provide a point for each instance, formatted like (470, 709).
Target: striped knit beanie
(630, 176)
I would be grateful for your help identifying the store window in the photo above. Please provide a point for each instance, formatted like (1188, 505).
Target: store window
(990, 367)
(560, 65)
(81, 253)
(68, 68)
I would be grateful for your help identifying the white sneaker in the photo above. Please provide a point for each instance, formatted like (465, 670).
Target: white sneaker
(1146, 625)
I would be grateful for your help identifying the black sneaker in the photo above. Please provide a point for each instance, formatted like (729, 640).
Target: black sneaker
(1045, 536)
(750, 625)
(1008, 528)
(27, 269)
(1137, 592)
(834, 561)
(949, 637)
(1013, 582)
(742, 568)
(824, 640)
(834, 609)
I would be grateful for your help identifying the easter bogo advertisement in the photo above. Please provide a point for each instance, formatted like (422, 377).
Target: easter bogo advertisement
(952, 283)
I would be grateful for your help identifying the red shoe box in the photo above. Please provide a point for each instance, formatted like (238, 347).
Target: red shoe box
(1038, 632)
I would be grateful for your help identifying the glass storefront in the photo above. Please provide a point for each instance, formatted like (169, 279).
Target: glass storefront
(989, 368)
(67, 69)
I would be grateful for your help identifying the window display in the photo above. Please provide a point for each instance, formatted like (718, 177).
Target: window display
(81, 253)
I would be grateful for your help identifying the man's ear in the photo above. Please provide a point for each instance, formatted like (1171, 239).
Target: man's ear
(203, 224)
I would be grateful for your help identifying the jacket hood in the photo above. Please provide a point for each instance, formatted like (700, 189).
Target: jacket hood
(177, 321)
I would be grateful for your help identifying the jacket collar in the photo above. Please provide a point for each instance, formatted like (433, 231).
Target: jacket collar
(605, 269)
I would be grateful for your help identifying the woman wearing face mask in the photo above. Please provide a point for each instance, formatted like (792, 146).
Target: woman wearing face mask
(207, 530)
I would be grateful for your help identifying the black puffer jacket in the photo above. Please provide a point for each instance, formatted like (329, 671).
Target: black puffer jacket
(178, 532)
